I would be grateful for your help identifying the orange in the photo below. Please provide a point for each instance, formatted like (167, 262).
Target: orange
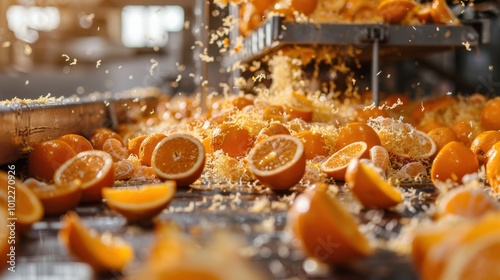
(363, 115)
(314, 144)
(336, 165)
(442, 136)
(355, 132)
(445, 258)
(478, 259)
(493, 167)
(465, 202)
(279, 162)
(453, 162)
(46, 157)
(466, 131)
(179, 157)
(414, 169)
(407, 144)
(115, 148)
(103, 252)
(232, 139)
(441, 13)
(124, 169)
(483, 143)
(140, 203)
(134, 144)
(275, 113)
(262, 5)
(272, 129)
(147, 147)
(428, 125)
(490, 115)
(241, 101)
(369, 187)
(100, 135)
(305, 7)
(18, 201)
(426, 237)
(380, 157)
(394, 11)
(56, 200)
(327, 232)
(77, 142)
(93, 168)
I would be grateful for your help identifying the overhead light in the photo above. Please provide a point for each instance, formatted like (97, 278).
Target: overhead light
(148, 26)
(25, 22)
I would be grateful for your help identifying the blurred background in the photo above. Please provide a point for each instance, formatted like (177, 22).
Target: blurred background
(67, 47)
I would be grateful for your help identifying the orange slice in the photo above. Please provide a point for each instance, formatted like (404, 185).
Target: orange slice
(141, 203)
(369, 187)
(327, 232)
(115, 148)
(77, 142)
(414, 169)
(394, 11)
(19, 202)
(380, 157)
(124, 169)
(278, 162)
(493, 167)
(483, 143)
(453, 162)
(336, 165)
(46, 157)
(441, 13)
(56, 200)
(93, 168)
(104, 253)
(355, 132)
(147, 147)
(465, 202)
(179, 157)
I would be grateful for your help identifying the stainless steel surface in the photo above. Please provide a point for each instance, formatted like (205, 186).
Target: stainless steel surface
(23, 124)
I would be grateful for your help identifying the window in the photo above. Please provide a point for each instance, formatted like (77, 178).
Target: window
(25, 22)
(148, 26)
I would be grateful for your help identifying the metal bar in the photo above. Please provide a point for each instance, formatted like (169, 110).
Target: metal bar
(375, 69)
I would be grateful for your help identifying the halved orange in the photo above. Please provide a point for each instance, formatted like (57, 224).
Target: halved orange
(140, 203)
(369, 187)
(327, 232)
(493, 167)
(19, 202)
(46, 157)
(103, 252)
(56, 200)
(483, 143)
(179, 157)
(147, 147)
(278, 162)
(355, 132)
(77, 142)
(93, 168)
(453, 162)
(467, 202)
(335, 166)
